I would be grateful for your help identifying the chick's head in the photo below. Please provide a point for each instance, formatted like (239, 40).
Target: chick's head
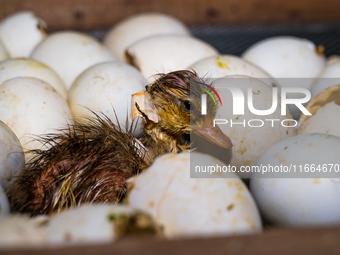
(176, 97)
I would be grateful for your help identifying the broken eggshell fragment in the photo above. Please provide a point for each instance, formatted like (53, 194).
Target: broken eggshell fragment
(186, 207)
(12, 157)
(140, 26)
(21, 32)
(167, 53)
(298, 198)
(325, 110)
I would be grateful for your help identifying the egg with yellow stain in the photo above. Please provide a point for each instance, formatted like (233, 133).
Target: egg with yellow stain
(188, 203)
(222, 65)
(251, 134)
(306, 191)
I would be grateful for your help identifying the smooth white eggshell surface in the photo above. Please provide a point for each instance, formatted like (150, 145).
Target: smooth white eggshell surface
(85, 224)
(106, 87)
(140, 26)
(13, 68)
(11, 156)
(326, 120)
(300, 201)
(32, 107)
(329, 77)
(166, 53)
(222, 65)
(21, 231)
(288, 59)
(249, 143)
(187, 206)
(3, 52)
(70, 53)
(21, 32)
(4, 205)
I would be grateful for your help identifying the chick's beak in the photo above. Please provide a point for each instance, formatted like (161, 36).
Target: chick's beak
(213, 134)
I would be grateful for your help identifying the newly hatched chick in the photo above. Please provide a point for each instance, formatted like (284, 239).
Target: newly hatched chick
(90, 161)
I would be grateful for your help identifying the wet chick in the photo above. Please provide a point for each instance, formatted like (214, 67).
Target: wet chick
(175, 100)
(90, 161)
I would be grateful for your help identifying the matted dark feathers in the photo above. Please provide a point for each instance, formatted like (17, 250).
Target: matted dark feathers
(84, 163)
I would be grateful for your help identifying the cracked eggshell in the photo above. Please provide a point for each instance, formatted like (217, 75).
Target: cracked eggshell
(329, 77)
(186, 207)
(12, 158)
(325, 110)
(166, 53)
(3, 52)
(223, 65)
(21, 32)
(96, 223)
(285, 57)
(70, 53)
(140, 26)
(249, 143)
(4, 205)
(32, 107)
(13, 68)
(22, 231)
(106, 87)
(299, 201)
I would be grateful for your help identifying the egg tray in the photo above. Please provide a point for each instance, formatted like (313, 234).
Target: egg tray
(230, 39)
(235, 39)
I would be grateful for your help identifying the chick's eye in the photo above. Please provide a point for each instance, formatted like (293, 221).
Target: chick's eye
(187, 105)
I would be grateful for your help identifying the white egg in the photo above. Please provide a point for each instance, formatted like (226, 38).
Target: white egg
(185, 206)
(96, 223)
(325, 110)
(251, 134)
(166, 53)
(285, 58)
(330, 76)
(106, 87)
(223, 65)
(70, 53)
(21, 32)
(13, 68)
(4, 205)
(3, 52)
(303, 199)
(326, 120)
(12, 157)
(136, 27)
(32, 107)
(20, 231)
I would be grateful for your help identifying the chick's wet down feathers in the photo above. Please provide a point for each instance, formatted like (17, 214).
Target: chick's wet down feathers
(91, 160)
